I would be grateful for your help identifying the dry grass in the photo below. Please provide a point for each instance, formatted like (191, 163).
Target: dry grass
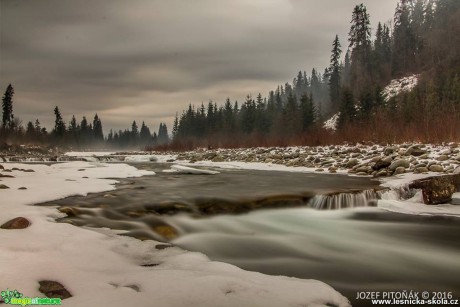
(384, 129)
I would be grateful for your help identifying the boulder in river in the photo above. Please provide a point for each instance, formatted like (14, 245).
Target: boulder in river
(436, 190)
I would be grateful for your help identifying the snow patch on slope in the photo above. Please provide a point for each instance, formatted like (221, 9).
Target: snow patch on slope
(398, 86)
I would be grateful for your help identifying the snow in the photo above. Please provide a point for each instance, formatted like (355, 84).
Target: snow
(181, 169)
(331, 123)
(100, 268)
(417, 208)
(398, 86)
(89, 153)
(141, 158)
(391, 200)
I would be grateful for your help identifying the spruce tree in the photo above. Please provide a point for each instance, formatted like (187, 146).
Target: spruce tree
(7, 108)
(347, 108)
(73, 125)
(308, 111)
(59, 125)
(30, 131)
(144, 134)
(334, 74)
(97, 128)
(175, 126)
(360, 45)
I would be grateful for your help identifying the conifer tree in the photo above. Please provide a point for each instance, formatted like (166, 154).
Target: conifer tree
(59, 125)
(347, 109)
(360, 45)
(175, 126)
(308, 111)
(334, 74)
(7, 108)
(97, 128)
(144, 134)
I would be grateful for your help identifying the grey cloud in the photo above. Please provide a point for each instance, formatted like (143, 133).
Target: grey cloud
(132, 59)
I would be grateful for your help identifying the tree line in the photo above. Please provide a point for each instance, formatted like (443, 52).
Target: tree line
(422, 39)
(82, 134)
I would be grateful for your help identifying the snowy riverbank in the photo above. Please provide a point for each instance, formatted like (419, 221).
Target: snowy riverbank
(100, 268)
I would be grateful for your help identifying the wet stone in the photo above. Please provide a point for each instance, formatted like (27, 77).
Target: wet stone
(16, 223)
(436, 190)
(53, 289)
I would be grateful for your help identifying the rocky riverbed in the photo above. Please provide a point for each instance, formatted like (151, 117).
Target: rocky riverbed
(362, 160)
(359, 159)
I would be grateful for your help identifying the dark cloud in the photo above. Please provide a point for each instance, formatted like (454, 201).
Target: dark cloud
(147, 59)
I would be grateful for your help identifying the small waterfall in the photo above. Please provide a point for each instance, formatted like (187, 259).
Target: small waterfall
(364, 198)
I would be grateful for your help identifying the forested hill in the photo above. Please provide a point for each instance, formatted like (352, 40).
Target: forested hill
(421, 41)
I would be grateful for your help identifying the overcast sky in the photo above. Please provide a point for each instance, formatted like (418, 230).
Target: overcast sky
(146, 59)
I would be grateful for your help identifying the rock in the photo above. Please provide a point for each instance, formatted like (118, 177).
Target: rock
(380, 164)
(376, 158)
(424, 156)
(1, 167)
(3, 187)
(319, 170)
(436, 168)
(456, 179)
(415, 151)
(436, 190)
(446, 152)
(399, 163)
(218, 158)
(420, 169)
(399, 170)
(153, 159)
(363, 169)
(166, 231)
(382, 173)
(389, 150)
(442, 158)
(351, 163)
(22, 188)
(53, 289)
(16, 223)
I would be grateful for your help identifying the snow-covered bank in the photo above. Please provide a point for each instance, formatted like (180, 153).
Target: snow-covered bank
(100, 268)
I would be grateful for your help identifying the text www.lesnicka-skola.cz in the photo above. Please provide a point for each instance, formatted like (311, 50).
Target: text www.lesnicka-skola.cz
(406, 297)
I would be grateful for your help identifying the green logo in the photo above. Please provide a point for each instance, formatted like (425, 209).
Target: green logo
(16, 298)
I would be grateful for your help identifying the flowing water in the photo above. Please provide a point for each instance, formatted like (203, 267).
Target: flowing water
(357, 247)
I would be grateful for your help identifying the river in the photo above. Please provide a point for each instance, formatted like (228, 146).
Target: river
(352, 249)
